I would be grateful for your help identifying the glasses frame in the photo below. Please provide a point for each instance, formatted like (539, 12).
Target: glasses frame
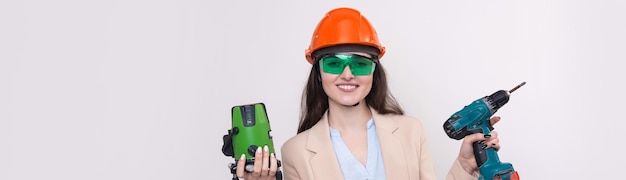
(346, 63)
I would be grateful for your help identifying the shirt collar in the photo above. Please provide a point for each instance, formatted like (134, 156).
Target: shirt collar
(335, 133)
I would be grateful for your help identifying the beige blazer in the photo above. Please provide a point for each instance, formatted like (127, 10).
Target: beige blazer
(310, 155)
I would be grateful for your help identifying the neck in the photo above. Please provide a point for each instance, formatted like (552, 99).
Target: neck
(348, 117)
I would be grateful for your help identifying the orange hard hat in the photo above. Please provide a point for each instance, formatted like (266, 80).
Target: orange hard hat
(344, 26)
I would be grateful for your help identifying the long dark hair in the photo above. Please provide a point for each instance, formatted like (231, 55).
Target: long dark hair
(315, 101)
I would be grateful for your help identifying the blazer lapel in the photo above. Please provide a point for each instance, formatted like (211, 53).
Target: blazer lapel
(324, 164)
(392, 149)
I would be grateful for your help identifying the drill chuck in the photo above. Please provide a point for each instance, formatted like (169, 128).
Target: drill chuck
(496, 100)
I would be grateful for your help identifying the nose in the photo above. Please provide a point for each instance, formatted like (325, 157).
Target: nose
(347, 74)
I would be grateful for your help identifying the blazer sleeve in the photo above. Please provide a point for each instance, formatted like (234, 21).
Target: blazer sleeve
(289, 169)
(427, 168)
(458, 173)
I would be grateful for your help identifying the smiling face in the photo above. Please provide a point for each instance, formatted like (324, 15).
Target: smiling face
(346, 88)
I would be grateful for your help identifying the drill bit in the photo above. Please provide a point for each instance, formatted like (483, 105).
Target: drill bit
(517, 87)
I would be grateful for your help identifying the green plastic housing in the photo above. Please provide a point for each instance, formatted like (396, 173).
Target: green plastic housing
(251, 129)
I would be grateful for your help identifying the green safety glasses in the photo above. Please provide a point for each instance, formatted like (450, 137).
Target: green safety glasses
(336, 63)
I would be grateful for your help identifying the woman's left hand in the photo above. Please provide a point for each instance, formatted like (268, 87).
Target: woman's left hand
(466, 154)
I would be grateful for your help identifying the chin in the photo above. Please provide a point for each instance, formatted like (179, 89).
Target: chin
(348, 103)
(347, 100)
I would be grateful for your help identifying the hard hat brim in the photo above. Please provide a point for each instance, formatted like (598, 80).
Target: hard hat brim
(373, 51)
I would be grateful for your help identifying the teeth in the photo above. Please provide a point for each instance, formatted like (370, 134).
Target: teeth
(346, 86)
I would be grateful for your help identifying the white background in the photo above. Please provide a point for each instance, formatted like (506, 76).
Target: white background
(143, 89)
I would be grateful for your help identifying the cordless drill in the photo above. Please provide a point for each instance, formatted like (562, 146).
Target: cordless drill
(474, 118)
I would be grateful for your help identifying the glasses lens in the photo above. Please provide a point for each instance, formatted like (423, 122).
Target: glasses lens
(332, 65)
(359, 65)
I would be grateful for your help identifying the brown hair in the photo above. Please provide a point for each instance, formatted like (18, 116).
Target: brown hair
(315, 101)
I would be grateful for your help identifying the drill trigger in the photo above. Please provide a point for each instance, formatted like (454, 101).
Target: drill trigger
(490, 126)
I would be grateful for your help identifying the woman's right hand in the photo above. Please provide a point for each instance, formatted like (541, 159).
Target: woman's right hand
(265, 166)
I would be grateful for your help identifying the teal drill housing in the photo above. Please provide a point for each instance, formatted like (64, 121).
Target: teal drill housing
(475, 118)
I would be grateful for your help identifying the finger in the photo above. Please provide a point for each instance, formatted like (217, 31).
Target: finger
(494, 120)
(492, 135)
(493, 141)
(496, 146)
(266, 161)
(258, 164)
(473, 138)
(273, 165)
(241, 163)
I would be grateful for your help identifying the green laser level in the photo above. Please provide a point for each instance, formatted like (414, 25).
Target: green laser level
(250, 130)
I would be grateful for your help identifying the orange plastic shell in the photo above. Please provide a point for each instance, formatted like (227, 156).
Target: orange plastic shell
(343, 26)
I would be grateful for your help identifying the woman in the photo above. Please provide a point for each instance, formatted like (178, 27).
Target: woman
(351, 127)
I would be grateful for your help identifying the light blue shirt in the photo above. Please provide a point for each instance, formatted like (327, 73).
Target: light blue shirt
(351, 168)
